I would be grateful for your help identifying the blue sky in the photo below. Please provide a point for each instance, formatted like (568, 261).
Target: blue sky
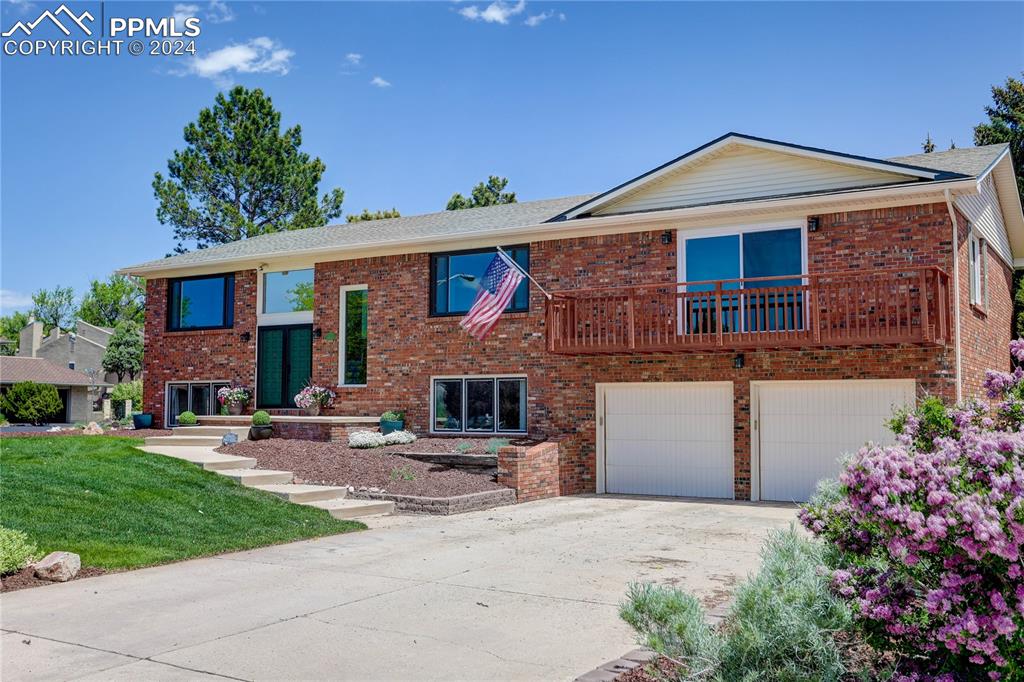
(408, 103)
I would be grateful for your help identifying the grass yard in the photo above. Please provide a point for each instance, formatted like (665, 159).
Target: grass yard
(118, 507)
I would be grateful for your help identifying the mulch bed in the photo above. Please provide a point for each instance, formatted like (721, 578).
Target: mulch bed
(658, 670)
(322, 463)
(123, 433)
(25, 578)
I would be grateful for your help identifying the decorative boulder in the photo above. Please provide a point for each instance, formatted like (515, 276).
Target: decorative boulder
(58, 566)
(93, 429)
(229, 438)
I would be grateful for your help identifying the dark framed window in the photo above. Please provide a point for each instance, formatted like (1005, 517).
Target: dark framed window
(479, 405)
(455, 278)
(205, 302)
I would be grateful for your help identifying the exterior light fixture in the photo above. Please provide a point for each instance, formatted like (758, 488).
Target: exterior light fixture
(666, 237)
(737, 362)
(317, 333)
(245, 336)
(813, 223)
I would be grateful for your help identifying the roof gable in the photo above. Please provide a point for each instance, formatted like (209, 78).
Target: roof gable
(736, 167)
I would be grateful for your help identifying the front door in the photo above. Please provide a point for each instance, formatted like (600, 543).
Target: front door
(285, 364)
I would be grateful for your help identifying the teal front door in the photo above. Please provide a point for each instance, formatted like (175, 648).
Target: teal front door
(284, 364)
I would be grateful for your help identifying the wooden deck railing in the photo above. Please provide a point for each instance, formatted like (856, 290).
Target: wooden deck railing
(879, 307)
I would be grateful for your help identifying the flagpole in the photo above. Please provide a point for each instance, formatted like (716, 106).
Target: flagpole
(520, 269)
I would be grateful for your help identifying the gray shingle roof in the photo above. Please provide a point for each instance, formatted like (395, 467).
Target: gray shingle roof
(970, 161)
(372, 232)
(14, 369)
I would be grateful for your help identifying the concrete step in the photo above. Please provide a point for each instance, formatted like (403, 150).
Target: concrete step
(204, 457)
(305, 493)
(354, 509)
(241, 431)
(180, 441)
(257, 477)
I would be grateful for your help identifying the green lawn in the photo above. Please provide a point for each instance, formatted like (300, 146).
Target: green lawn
(121, 508)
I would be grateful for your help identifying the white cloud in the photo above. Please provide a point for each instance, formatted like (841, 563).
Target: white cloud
(380, 82)
(11, 300)
(498, 12)
(537, 19)
(19, 6)
(183, 12)
(259, 55)
(219, 12)
(354, 58)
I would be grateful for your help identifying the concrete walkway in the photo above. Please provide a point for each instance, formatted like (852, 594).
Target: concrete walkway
(517, 593)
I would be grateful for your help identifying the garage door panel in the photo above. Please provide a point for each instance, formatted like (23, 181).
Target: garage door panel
(806, 429)
(669, 439)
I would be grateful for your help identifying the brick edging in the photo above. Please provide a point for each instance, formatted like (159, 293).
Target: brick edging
(443, 506)
(612, 670)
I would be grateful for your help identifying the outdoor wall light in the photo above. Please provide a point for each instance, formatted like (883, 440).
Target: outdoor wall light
(666, 237)
(245, 336)
(813, 222)
(737, 362)
(317, 333)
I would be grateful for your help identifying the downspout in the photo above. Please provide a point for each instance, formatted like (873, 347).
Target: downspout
(956, 297)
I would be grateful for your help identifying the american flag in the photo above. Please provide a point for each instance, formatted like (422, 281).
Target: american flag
(496, 289)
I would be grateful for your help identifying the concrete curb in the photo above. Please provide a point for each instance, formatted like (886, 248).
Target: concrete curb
(612, 670)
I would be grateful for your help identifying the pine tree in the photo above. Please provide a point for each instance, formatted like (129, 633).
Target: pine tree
(124, 351)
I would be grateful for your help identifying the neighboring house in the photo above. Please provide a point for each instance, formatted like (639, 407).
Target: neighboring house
(725, 325)
(73, 387)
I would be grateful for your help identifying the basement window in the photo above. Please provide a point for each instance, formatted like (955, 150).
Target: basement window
(476, 404)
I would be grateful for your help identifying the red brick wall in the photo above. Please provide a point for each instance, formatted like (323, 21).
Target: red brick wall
(209, 355)
(531, 471)
(407, 346)
(985, 330)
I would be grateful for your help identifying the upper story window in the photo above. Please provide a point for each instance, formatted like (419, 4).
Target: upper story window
(977, 251)
(455, 279)
(288, 291)
(205, 302)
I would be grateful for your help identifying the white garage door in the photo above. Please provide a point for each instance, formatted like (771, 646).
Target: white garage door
(806, 427)
(669, 439)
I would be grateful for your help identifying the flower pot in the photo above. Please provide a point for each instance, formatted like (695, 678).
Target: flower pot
(142, 420)
(235, 409)
(387, 427)
(260, 432)
(313, 410)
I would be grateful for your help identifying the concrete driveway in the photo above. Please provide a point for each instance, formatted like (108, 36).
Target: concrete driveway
(517, 593)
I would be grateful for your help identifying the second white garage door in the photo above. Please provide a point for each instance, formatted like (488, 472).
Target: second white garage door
(806, 427)
(668, 438)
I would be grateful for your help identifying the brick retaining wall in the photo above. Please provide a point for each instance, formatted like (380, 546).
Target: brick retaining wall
(531, 471)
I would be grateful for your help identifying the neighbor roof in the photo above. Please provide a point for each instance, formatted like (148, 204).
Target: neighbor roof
(14, 369)
(921, 169)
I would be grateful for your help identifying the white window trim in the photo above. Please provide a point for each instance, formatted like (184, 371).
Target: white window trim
(738, 229)
(481, 434)
(341, 331)
(978, 274)
(273, 319)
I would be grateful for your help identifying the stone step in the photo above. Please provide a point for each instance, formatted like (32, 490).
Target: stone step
(181, 441)
(354, 509)
(204, 457)
(241, 431)
(257, 477)
(300, 493)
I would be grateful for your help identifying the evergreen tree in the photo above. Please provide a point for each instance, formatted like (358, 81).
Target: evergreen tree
(928, 146)
(376, 215)
(490, 193)
(124, 351)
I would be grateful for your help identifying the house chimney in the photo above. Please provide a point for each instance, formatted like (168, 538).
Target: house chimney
(30, 338)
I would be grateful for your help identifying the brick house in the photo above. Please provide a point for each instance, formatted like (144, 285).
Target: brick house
(725, 325)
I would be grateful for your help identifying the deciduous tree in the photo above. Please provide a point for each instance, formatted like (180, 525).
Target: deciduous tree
(54, 307)
(119, 298)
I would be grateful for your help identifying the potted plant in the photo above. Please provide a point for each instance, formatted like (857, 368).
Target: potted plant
(313, 397)
(261, 428)
(234, 398)
(142, 420)
(392, 421)
(187, 419)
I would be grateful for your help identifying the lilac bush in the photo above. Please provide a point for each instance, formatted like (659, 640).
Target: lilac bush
(931, 539)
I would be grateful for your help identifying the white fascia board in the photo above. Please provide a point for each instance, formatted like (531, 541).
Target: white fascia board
(580, 227)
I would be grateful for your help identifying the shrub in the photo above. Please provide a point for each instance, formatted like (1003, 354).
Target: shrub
(929, 419)
(187, 419)
(365, 439)
(781, 625)
(3, 419)
(932, 540)
(261, 418)
(31, 402)
(399, 438)
(16, 551)
(131, 390)
(495, 444)
(393, 416)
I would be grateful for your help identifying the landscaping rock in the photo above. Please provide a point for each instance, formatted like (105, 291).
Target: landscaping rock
(229, 439)
(93, 429)
(58, 566)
